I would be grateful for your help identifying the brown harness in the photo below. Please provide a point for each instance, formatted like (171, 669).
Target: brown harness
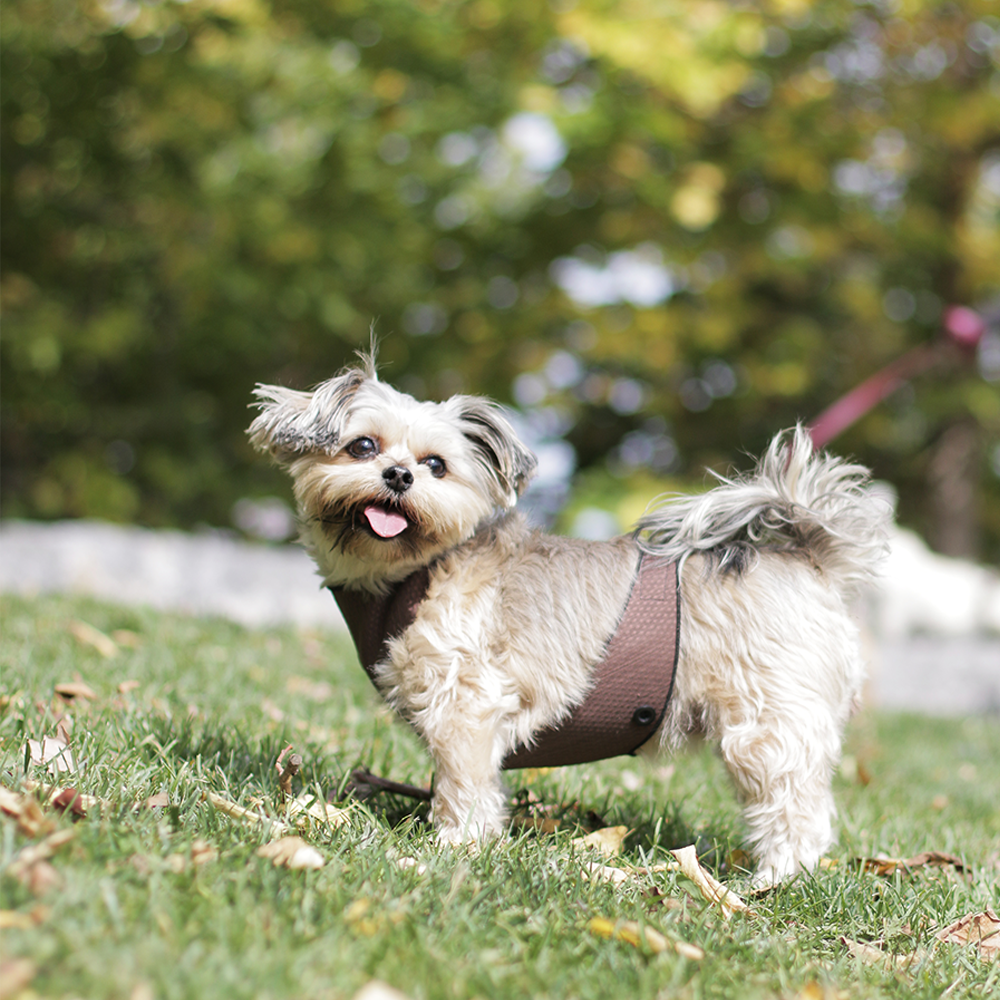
(631, 686)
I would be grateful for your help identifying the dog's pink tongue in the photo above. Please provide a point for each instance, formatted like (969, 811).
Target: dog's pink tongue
(385, 523)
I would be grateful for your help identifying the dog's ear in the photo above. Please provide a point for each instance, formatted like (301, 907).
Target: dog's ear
(293, 423)
(508, 463)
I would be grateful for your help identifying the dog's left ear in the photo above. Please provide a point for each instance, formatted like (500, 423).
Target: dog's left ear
(293, 423)
(509, 464)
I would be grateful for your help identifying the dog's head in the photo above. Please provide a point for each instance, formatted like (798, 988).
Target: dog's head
(386, 483)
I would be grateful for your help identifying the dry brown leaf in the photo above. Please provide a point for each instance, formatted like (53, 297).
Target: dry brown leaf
(127, 686)
(606, 873)
(292, 852)
(638, 935)
(889, 866)
(540, 824)
(52, 752)
(15, 975)
(31, 820)
(869, 954)
(979, 929)
(40, 878)
(66, 798)
(87, 635)
(42, 851)
(306, 809)
(202, 852)
(713, 890)
(607, 840)
(72, 801)
(75, 689)
(158, 801)
(243, 814)
(127, 638)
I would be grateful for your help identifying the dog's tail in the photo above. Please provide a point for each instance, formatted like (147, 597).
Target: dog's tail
(796, 501)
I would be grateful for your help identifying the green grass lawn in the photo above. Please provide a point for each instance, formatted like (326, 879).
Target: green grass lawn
(174, 901)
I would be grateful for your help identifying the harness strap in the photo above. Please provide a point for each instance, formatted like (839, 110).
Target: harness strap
(632, 683)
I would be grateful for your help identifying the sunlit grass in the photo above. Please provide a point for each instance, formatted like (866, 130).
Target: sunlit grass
(174, 901)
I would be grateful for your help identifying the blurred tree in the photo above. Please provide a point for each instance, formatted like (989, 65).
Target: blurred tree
(663, 229)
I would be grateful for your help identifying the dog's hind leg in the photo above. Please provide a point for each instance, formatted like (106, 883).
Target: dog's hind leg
(782, 770)
(770, 666)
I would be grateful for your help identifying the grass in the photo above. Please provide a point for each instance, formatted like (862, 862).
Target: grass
(174, 901)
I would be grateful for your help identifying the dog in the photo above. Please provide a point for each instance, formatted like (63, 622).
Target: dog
(501, 643)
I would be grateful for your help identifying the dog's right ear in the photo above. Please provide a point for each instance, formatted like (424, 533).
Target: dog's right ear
(293, 423)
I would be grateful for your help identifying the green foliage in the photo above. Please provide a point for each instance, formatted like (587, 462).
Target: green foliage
(174, 901)
(199, 196)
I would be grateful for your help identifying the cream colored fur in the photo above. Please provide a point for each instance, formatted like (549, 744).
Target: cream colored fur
(514, 620)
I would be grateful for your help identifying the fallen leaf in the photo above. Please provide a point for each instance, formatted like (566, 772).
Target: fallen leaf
(40, 878)
(158, 801)
(52, 752)
(691, 951)
(889, 866)
(713, 890)
(306, 808)
(15, 920)
(377, 990)
(127, 686)
(87, 635)
(869, 954)
(42, 851)
(243, 814)
(638, 935)
(979, 929)
(15, 975)
(75, 689)
(607, 840)
(72, 801)
(606, 873)
(127, 638)
(292, 852)
(539, 824)
(202, 852)
(31, 820)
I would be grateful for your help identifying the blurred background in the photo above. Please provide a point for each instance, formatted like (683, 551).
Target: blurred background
(660, 231)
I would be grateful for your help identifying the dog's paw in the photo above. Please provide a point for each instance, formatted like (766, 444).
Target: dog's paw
(471, 834)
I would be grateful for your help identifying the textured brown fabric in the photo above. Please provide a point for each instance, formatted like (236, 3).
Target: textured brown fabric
(632, 683)
(373, 619)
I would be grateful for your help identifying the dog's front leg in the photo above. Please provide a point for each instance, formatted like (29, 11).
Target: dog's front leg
(469, 802)
(458, 715)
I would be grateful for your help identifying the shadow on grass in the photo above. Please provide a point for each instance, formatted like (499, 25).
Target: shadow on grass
(251, 761)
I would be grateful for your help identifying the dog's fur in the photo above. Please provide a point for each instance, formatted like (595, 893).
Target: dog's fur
(514, 620)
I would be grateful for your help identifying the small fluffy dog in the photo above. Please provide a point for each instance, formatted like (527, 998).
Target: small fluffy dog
(509, 625)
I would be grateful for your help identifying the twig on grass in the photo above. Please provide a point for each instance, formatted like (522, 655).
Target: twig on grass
(363, 785)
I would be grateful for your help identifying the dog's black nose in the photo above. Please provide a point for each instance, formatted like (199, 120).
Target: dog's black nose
(398, 478)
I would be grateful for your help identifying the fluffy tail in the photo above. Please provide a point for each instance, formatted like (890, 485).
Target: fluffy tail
(796, 501)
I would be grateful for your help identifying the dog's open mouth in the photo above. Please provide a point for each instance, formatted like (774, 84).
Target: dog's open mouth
(384, 521)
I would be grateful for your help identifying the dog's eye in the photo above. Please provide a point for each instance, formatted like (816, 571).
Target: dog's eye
(362, 447)
(436, 464)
